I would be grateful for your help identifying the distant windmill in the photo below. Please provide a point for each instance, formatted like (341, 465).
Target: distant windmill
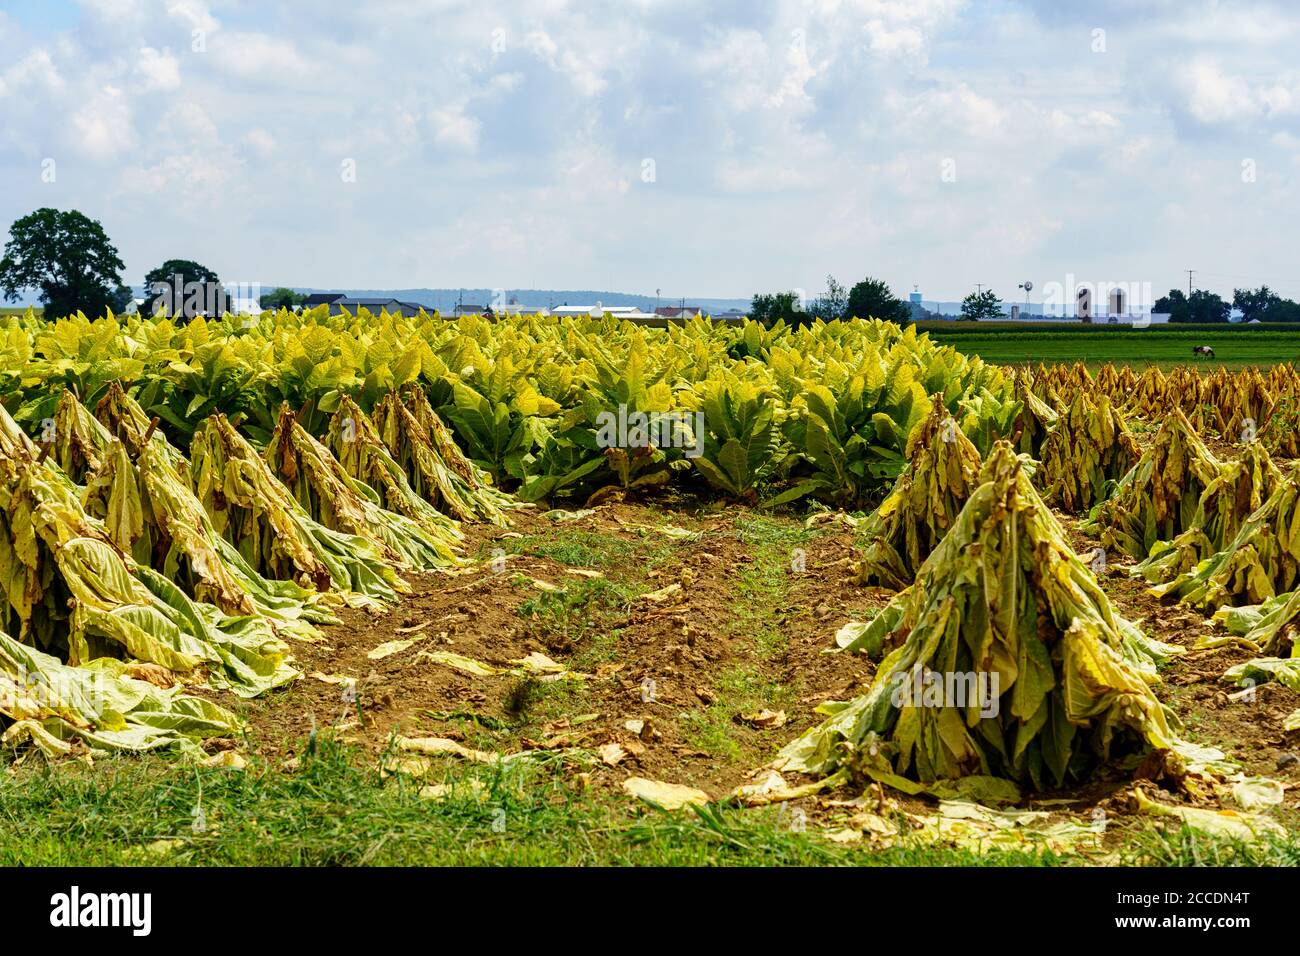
(1027, 285)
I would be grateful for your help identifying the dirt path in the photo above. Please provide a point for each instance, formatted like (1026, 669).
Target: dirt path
(688, 625)
(683, 621)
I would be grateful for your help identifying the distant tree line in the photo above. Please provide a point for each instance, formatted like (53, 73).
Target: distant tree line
(70, 260)
(981, 305)
(869, 299)
(282, 298)
(1206, 307)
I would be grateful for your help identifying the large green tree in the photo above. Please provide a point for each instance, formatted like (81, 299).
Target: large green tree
(1283, 310)
(1200, 308)
(872, 299)
(981, 305)
(282, 298)
(207, 295)
(69, 258)
(188, 270)
(1255, 303)
(768, 308)
(832, 304)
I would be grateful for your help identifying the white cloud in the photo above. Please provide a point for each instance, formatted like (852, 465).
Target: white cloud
(102, 127)
(159, 69)
(257, 55)
(957, 108)
(902, 41)
(261, 142)
(830, 116)
(454, 129)
(1280, 99)
(1214, 96)
(185, 180)
(580, 63)
(187, 123)
(799, 72)
(504, 83)
(194, 14)
(35, 72)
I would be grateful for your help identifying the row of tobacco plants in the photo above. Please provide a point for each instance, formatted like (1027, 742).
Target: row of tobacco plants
(180, 503)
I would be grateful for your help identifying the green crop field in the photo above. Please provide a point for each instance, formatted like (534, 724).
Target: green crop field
(1011, 343)
(313, 589)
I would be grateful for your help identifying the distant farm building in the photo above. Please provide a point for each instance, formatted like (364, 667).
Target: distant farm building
(338, 303)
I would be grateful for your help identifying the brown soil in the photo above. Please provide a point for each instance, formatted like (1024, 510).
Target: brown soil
(692, 645)
(1248, 730)
(686, 646)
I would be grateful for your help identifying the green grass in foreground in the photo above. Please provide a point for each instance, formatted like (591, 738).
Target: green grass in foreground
(1010, 344)
(335, 811)
(332, 812)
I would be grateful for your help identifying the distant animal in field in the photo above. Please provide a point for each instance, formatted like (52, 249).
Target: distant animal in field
(1203, 350)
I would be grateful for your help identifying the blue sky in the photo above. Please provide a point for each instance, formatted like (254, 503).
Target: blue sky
(700, 148)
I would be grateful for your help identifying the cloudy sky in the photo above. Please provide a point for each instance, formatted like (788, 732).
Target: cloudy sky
(702, 148)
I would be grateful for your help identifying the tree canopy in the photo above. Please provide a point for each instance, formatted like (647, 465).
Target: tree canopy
(187, 269)
(282, 298)
(1202, 306)
(768, 308)
(69, 258)
(872, 299)
(981, 305)
(1265, 304)
(831, 304)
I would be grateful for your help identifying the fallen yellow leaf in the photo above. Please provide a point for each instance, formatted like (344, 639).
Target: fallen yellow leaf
(390, 648)
(669, 796)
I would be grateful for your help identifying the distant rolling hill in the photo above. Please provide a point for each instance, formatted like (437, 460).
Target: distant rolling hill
(445, 299)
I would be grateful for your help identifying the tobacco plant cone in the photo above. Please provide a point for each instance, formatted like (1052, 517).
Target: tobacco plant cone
(454, 486)
(1241, 403)
(1035, 419)
(178, 537)
(942, 470)
(14, 442)
(490, 501)
(356, 444)
(1160, 496)
(338, 501)
(78, 440)
(1261, 562)
(1089, 446)
(1238, 491)
(166, 527)
(126, 420)
(72, 591)
(275, 534)
(1004, 596)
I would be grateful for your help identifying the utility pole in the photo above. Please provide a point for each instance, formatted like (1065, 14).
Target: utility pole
(1189, 282)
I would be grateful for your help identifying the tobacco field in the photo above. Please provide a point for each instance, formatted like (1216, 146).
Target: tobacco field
(300, 588)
